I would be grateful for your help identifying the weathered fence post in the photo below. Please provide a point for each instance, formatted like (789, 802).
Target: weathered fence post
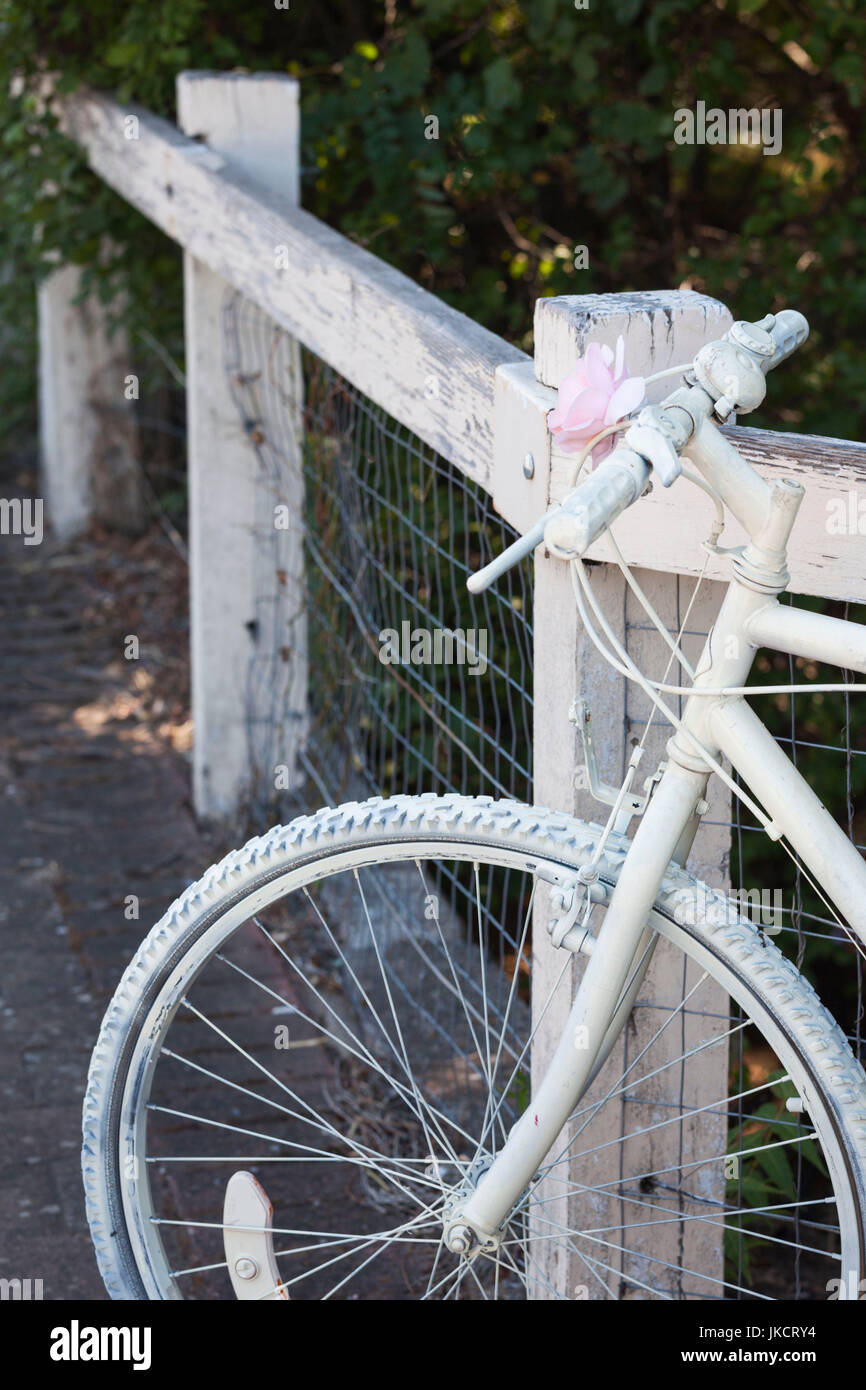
(235, 589)
(88, 439)
(659, 330)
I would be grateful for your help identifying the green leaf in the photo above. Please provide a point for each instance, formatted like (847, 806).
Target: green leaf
(654, 80)
(121, 54)
(501, 88)
(848, 69)
(583, 64)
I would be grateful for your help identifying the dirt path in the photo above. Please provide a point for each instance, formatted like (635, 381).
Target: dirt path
(94, 808)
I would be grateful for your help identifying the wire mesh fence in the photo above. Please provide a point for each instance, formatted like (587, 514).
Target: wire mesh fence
(413, 686)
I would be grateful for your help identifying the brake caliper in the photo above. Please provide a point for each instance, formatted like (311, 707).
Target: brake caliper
(570, 895)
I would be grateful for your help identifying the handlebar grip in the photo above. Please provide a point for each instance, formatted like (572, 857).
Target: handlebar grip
(618, 482)
(789, 332)
(569, 530)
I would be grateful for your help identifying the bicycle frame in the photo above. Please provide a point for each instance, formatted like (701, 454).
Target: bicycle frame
(724, 726)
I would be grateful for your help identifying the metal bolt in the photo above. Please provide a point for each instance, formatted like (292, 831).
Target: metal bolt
(460, 1240)
(245, 1268)
(528, 466)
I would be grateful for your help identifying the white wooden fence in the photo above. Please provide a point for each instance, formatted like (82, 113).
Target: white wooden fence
(225, 187)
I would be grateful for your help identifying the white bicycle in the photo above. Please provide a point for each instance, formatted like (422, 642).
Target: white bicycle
(326, 1074)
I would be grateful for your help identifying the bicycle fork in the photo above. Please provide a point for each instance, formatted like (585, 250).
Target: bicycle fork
(668, 815)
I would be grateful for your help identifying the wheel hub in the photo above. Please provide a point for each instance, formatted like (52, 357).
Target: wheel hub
(457, 1236)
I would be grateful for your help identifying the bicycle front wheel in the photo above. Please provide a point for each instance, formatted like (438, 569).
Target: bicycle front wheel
(345, 1009)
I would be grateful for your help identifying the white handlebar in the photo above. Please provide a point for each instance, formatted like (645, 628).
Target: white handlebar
(789, 332)
(512, 555)
(618, 482)
(570, 530)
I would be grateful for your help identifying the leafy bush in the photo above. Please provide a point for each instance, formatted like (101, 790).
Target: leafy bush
(555, 130)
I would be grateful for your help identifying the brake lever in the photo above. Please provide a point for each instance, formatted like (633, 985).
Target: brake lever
(652, 437)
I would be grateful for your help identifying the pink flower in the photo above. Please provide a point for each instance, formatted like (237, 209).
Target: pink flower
(597, 393)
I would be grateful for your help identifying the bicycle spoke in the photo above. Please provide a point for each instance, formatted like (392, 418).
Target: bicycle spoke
(405, 1094)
